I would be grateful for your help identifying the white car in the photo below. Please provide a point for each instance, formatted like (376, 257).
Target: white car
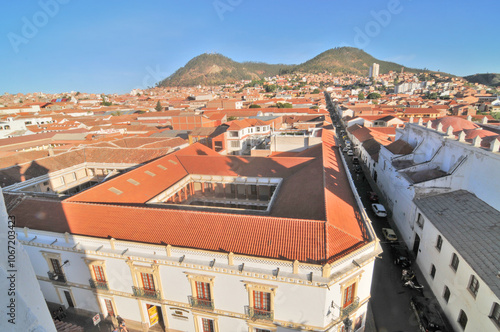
(379, 210)
(350, 153)
(389, 234)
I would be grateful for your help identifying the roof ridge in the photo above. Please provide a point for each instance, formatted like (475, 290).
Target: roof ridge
(267, 217)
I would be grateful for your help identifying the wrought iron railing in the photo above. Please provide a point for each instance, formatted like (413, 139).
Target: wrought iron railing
(347, 310)
(201, 303)
(148, 293)
(255, 313)
(99, 284)
(59, 277)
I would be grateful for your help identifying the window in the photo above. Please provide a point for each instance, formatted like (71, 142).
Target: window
(258, 129)
(420, 221)
(446, 294)
(109, 307)
(433, 271)
(208, 325)
(349, 295)
(235, 144)
(495, 314)
(148, 281)
(56, 266)
(454, 262)
(261, 330)
(262, 301)
(462, 319)
(473, 285)
(98, 273)
(439, 243)
(201, 290)
(233, 134)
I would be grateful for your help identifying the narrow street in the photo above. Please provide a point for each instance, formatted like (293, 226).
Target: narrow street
(390, 300)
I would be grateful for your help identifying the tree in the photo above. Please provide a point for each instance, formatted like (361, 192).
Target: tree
(254, 106)
(284, 105)
(361, 96)
(315, 91)
(158, 107)
(373, 95)
(270, 87)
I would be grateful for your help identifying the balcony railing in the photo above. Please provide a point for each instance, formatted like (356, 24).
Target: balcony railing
(201, 303)
(150, 294)
(59, 277)
(99, 284)
(260, 314)
(347, 310)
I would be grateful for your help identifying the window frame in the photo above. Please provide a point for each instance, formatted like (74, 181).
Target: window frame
(455, 262)
(495, 314)
(206, 279)
(433, 271)
(473, 285)
(446, 294)
(49, 256)
(439, 243)
(101, 264)
(271, 289)
(152, 269)
(461, 316)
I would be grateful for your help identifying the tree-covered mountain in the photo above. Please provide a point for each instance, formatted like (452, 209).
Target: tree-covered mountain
(215, 69)
(486, 79)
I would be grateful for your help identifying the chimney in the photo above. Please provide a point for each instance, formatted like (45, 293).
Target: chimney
(476, 141)
(440, 127)
(485, 120)
(495, 145)
(420, 121)
(461, 136)
(449, 131)
(469, 118)
(411, 119)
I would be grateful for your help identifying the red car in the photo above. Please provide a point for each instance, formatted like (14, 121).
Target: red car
(372, 196)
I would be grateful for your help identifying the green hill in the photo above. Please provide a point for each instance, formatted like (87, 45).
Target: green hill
(348, 60)
(486, 79)
(216, 69)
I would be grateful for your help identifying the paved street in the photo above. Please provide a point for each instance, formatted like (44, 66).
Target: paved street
(390, 301)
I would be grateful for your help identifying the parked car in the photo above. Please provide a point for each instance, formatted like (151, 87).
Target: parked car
(355, 160)
(400, 256)
(379, 210)
(345, 149)
(358, 169)
(372, 196)
(389, 235)
(427, 314)
(350, 153)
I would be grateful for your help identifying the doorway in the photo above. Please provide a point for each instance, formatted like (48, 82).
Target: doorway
(416, 244)
(155, 318)
(67, 294)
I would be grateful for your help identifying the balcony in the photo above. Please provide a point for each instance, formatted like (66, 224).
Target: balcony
(260, 314)
(347, 310)
(59, 277)
(97, 284)
(201, 303)
(147, 293)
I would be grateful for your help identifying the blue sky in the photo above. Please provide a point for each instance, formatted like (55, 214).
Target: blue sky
(114, 46)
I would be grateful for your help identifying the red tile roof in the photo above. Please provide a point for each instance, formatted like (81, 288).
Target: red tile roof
(314, 218)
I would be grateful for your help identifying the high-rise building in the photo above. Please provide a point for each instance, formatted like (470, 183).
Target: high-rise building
(374, 70)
